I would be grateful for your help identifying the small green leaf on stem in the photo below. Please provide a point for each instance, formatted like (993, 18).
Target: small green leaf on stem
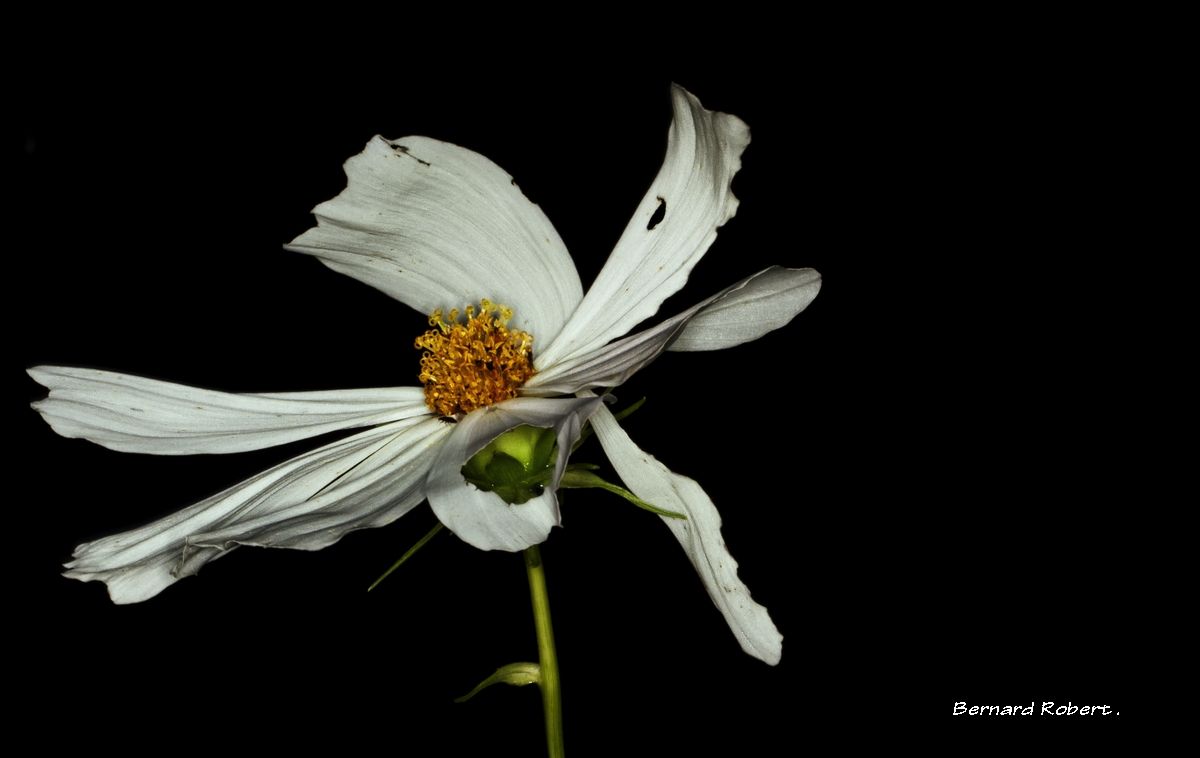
(516, 674)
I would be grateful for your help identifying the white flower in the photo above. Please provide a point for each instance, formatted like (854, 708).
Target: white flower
(438, 226)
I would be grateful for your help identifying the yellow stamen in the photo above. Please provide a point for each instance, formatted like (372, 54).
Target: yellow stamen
(467, 366)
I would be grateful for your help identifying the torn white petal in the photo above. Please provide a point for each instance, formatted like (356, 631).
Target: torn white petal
(307, 503)
(134, 414)
(700, 536)
(769, 300)
(611, 365)
(435, 225)
(649, 264)
(482, 518)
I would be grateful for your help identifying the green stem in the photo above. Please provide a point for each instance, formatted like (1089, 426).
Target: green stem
(547, 659)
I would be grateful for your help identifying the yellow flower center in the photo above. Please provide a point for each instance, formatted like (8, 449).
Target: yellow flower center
(467, 366)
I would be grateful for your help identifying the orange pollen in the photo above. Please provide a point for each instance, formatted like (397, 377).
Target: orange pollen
(473, 364)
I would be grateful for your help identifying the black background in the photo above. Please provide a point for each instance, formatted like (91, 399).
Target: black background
(879, 482)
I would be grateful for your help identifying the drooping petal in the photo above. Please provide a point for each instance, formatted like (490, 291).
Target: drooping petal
(307, 503)
(700, 536)
(649, 264)
(768, 294)
(435, 225)
(768, 301)
(482, 518)
(133, 414)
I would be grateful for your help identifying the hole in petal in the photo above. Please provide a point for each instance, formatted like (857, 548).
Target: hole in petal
(659, 214)
(404, 149)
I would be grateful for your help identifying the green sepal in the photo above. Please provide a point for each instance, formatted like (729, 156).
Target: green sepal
(577, 466)
(628, 411)
(411, 551)
(546, 447)
(578, 478)
(587, 430)
(504, 469)
(516, 674)
(513, 494)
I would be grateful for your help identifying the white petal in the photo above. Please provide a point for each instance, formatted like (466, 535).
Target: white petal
(482, 518)
(137, 415)
(611, 365)
(307, 503)
(435, 225)
(768, 301)
(700, 536)
(649, 265)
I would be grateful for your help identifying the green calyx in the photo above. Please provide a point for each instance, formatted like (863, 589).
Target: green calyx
(516, 465)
